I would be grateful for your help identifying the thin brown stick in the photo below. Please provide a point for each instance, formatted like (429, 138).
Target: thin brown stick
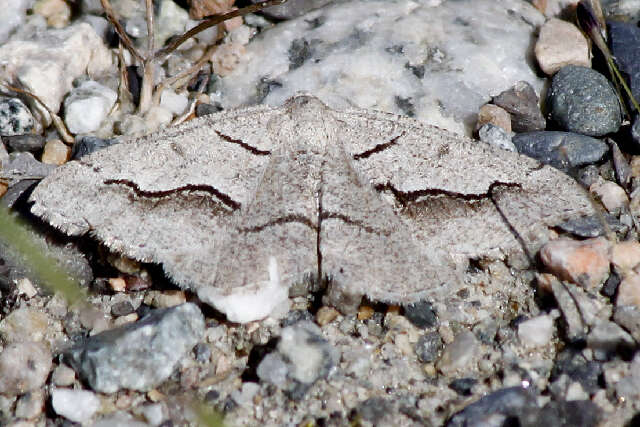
(57, 121)
(210, 22)
(150, 33)
(111, 16)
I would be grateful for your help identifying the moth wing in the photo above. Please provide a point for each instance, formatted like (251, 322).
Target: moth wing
(466, 197)
(167, 197)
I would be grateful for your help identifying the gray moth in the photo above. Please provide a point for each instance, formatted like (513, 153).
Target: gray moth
(242, 205)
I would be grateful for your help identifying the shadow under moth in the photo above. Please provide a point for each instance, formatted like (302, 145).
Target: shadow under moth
(239, 206)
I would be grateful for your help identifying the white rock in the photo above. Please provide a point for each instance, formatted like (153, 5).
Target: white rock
(536, 332)
(174, 102)
(75, 405)
(87, 106)
(12, 14)
(561, 43)
(438, 63)
(245, 395)
(47, 63)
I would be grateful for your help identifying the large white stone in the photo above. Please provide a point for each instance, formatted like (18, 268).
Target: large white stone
(48, 61)
(436, 62)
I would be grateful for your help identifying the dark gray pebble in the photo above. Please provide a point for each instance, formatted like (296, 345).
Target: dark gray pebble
(421, 314)
(563, 413)
(463, 386)
(139, 355)
(624, 41)
(521, 102)
(508, 402)
(582, 100)
(563, 150)
(27, 142)
(429, 347)
(206, 109)
(122, 308)
(23, 172)
(572, 363)
(88, 144)
(592, 225)
(202, 352)
(15, 117)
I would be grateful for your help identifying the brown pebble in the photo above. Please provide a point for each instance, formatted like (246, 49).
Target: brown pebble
(612, 196)
(168, 299)
(365, 312)
(561, 43)
(155, 396)
(118, 284)
(629, 291)
(626, 255)
(201, 8)
(582, 262)
(55, 152)
(3, 188)
(326, 315)
(495, 115)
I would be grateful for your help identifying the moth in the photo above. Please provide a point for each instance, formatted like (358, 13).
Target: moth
(241, 205)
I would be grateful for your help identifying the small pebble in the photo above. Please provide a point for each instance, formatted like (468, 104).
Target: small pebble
(56, 152)
(117, 284)
(166, 299)
(15, 117)
(206, 109)
(25, 142)
(562, 150)
(496, 136)
(607, 338)
(591, 225)
(326, 315)
(24, 324)
(122, 308)
(202, 352)
(521, 102)
(495, 408)
(421, 314)
(561, 43)
(626, 255)
(86, 144)
(200, 8)
(26, 288)
(227, 57)
(63, 376)
(429, 347)
(463, 386)
(582, 100)
(78, 406)
(30, 405)
(87, 105)
(365, 312)
(375, 409)
(174, 102)
(629, 318)
(536, 332)
(57, 12)
(118, 358)
(24, 366)
(244, 396)
(273, 369)
(629, 290)
(582, 262)
(611, 195)
(459, 354)
(495, 115)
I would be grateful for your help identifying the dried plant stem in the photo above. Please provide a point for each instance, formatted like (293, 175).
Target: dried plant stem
(111, 17)
(57, 121)
(214, 20)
